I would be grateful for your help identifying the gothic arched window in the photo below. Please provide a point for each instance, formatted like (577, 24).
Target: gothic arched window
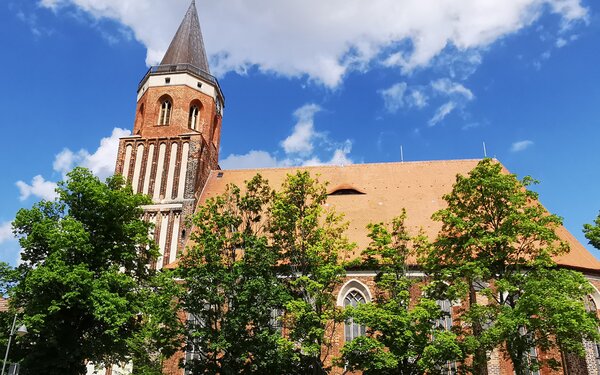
(165, 112)
(353, 330)
(590, 306)
(193, 118)
(445, 323)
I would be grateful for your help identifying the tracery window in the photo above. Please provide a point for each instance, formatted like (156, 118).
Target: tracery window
(532, 355)
(193, 117)
(445, 323)
(276, 320)
(351, 329)
(591, 306)
(165, 112)
(193, 352)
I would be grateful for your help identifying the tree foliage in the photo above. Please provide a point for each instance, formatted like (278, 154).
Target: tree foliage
(262, 260)
(84, 282)
(230, 274)
(592, 232)
(495, 252)
(403, 333)
(312, 246)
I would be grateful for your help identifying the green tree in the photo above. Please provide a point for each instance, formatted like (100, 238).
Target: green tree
(84, 277)
(232, 283)
(495, 251)
(8, 277)
(160, 329)
(262, 260)
(592, 232)
(403, 336)
(312, 245)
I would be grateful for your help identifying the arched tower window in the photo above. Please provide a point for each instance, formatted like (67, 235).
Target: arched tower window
(351, 329)
(165, 111)
(194, 118)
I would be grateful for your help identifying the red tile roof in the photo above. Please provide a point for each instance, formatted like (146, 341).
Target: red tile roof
(388, 187)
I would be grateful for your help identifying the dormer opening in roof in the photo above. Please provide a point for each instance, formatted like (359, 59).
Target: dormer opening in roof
(345, 189)
(184, 75)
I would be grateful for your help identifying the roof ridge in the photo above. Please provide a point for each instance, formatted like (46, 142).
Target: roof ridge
(440, 161)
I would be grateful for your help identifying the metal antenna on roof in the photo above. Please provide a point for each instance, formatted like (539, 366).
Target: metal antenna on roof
(401, 154)
(484, 150)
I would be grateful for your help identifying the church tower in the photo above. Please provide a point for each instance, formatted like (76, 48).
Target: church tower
(176, 135)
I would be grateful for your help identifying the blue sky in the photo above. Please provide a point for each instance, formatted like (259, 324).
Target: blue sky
(310, 82)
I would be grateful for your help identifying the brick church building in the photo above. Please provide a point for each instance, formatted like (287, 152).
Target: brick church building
(173, 156)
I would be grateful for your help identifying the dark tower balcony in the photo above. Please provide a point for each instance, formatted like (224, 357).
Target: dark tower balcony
(182, 68)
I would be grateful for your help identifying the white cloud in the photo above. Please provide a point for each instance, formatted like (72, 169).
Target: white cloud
(52, 4)
(442, 112)
(301, 139)
(6, 233)
(393, 97)
(101, 162)
(449, 88)
(39, 188)
(521, 145)
(325, 39)
(418, 98)
(339, 157)
(299, 148)
(400, 95)
(456, 95)
(253, 159)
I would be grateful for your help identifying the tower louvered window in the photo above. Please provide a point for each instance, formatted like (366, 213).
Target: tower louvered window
(165, 112)
(193, 118)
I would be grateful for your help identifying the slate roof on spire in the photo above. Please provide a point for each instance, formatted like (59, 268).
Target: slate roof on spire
(187, 47)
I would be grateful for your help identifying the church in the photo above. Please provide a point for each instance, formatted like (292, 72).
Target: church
(173, 156)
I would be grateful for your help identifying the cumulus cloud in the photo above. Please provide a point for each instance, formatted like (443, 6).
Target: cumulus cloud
(301, 139)
(39, 188)
(521, 146)
(339, 157)
(6, 232)
(252, 159)
(324, 40)
(101, 162)
(298, 149)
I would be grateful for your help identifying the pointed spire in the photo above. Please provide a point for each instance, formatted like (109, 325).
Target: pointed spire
(187, 47)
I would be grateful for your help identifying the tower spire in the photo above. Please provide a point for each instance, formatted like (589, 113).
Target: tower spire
(187, 47)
